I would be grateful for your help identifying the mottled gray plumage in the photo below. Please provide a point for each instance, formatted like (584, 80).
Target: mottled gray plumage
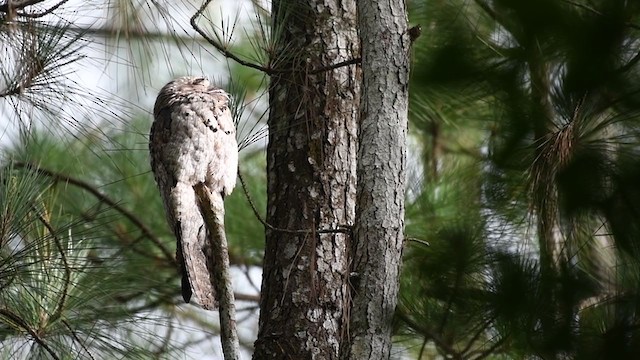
(193, 140)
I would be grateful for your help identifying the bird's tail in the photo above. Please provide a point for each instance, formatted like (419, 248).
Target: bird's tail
(186, 287)
(194, 251)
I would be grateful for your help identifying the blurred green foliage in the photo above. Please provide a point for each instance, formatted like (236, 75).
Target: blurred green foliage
(526, 114)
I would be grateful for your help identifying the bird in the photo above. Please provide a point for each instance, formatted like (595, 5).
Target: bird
(192, 141)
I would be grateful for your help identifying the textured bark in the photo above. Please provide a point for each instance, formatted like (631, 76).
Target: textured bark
(311, 180)
(378, 231)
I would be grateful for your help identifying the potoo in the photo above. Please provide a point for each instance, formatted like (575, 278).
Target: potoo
(193, 140)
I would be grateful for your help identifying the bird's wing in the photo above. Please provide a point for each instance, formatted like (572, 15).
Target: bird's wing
(166, 179)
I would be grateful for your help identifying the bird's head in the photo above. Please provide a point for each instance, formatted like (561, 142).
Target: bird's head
(180, 89)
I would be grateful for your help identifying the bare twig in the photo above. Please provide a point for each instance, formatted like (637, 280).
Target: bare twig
(212, 208)
(439, 341)
(492, 349)
(247, 297)
(344, 229)
(336, 66)
(265, 69)
(220, 47)
(482, 328)
(418, 241)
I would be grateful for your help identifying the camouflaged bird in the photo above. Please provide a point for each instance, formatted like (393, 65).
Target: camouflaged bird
(193, 140)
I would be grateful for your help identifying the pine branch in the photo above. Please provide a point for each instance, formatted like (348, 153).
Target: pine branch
(220, 47)
(67, 269)
(77, 339)
(58, 177)
(265, 69)
(439, 341)
(212, 208)
(20, 322)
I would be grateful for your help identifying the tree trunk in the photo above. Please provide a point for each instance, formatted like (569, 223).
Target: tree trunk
(311, 180)
(378, 232)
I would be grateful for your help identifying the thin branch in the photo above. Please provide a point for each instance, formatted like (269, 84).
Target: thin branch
(67, 270)
(17, 320)
(456, 288)
(249, 279)
(487, 9)
(595, 11)
(634, 60)
(247, 297)
(490, 350)
(166, 341)
(265, 69)
(102, 198)
(418, 241)
(344, 229)
(110, 31)
(477, 335)
(583, 7)
(219, 46)
(424, 345)
(212, 208)
(336, 66)
(10, 5)
(75, 336)
(437, 340)
(42, 13)
(129, 243)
